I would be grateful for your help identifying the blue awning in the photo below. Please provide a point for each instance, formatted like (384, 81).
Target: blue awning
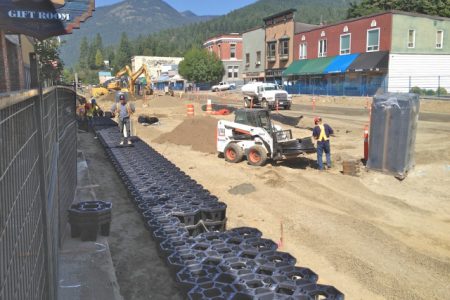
(341, 63)
(163, 78)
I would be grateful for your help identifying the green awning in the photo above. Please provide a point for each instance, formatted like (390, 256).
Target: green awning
(308, 66)
(316, 66)
(295, 67)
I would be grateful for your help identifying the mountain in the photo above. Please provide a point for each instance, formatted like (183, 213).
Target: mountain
(135, 17)
(175, 41)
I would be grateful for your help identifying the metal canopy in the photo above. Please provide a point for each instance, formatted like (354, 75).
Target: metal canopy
(340, 63)
(308, 66)
(370, 61)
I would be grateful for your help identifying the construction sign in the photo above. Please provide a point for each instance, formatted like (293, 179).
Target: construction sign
(44, 18)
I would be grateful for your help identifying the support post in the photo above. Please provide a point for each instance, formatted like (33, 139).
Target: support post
(21, 68)
(5, 61)
(439, 86)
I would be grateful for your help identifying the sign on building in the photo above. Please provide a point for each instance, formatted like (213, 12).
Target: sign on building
(44, 18)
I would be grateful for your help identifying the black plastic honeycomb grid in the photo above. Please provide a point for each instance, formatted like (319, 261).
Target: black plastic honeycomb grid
(189, 225)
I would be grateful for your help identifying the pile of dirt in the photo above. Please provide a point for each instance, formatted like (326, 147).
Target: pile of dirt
(199, 133)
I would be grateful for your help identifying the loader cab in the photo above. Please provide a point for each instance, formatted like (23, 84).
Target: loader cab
(254, 118)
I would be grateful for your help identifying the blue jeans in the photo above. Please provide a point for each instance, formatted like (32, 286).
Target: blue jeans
(122, 123)
(321, 148)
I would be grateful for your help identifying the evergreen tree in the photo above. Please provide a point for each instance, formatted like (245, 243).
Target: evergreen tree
(84, 53)
(429, 7)
(91, 55)
(99, 59)
(201, 66)
(123, 54)
(99, 42)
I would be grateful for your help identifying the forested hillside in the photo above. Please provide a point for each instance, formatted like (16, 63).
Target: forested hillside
(131, 16)
(175, 42)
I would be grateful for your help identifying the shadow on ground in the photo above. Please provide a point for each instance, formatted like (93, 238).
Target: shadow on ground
(140, 272)
(301, 163)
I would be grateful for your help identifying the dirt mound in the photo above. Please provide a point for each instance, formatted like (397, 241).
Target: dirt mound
(199, 133)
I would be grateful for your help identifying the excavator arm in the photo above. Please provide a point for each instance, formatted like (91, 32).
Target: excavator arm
(123, 71)
(142, 70)
(132, 77)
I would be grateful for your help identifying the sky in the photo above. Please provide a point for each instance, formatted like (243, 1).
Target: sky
(199, 7)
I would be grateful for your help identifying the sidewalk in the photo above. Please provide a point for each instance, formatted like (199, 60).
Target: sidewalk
(86, 269)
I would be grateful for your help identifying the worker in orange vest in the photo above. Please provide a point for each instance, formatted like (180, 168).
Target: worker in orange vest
(123, 111)
(321, 134)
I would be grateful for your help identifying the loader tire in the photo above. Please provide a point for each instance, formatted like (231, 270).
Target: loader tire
(257, 156)
(233, 153)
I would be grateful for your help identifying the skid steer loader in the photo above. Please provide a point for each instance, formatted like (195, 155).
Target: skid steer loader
(253, 135)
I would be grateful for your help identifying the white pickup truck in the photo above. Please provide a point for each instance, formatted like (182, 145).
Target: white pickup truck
(266, 95)
(223, 86)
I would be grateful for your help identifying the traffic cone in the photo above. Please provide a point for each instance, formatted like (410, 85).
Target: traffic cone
(366, 143)
(190, 110)
(209, 107)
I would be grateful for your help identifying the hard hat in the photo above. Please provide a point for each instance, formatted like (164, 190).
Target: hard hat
(122, 97)
(317, 120)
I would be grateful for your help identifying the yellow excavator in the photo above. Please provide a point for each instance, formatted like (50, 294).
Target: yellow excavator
(142, 70)
(115, 84)
(132, 77)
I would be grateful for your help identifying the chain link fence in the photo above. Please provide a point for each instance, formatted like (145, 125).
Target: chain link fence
(369, 85)
(37, 185)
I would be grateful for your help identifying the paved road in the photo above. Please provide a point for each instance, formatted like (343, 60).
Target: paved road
(358, 112)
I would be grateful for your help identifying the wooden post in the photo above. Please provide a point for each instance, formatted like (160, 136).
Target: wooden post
(5, 61)
(21, 67)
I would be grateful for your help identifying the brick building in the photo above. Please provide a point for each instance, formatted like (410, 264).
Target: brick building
(280, 29)
(228, 48)
(375, 53)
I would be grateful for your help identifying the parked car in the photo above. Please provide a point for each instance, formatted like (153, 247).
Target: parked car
(223, 86)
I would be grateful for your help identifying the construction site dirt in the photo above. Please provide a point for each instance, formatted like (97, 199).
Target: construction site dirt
(371, 235)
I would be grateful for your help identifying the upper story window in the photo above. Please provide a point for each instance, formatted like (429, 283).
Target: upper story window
(258, 58)
(271, 49)
(247, 59)
(233, 72)
(233, 50)
(345, 44)
(439, 39)
(303, 51)
(411, 38)
(322, 48)
(373, 40)
(284, 49)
